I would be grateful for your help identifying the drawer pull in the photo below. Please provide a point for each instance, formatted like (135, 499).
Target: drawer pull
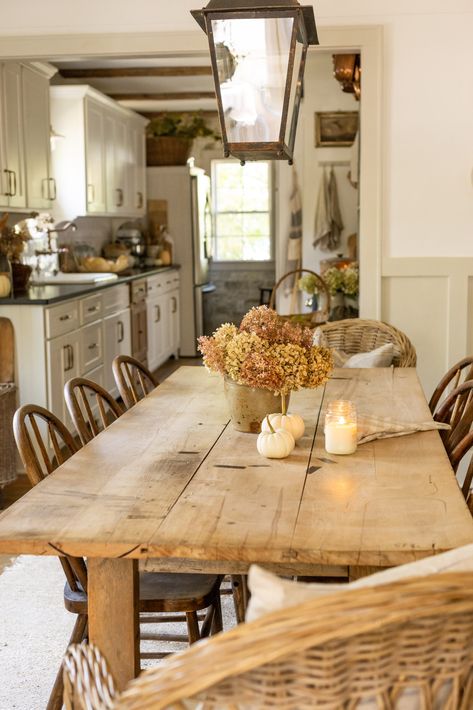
(92, 309)
(174, 304)
(158, 314)
(92, 346)
(66, 317)
(121, 332)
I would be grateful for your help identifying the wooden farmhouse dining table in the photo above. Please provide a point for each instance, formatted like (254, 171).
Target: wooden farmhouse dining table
(172, 480)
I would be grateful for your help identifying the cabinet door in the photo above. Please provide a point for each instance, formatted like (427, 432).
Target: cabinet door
(174, 321)
(40, 186)
(91, 347)
(138, 169)
(155, 321)
(62, 364)
(14, 184)
(95, 157)
(117, 164)
(139, 339)
(117, 341)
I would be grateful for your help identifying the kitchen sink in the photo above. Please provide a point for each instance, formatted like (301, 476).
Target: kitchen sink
(82, 278)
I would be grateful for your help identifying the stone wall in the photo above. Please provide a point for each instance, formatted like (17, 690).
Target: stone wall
(237, 290)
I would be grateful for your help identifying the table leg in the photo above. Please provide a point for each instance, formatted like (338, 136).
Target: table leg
(113, 598)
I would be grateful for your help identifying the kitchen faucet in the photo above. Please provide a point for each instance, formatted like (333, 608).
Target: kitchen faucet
(49, 251)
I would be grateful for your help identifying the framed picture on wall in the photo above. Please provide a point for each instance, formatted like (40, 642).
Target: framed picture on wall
(335, 128)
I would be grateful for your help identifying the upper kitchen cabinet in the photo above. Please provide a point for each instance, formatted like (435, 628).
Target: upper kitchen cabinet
(40, 184)
(99, 165)
(25, 177)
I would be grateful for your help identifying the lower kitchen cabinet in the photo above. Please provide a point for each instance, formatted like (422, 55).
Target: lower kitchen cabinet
(116, 341)
(63, 363)
(163, 318)
(80, 337)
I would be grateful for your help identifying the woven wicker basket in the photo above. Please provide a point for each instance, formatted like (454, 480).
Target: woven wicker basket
(167, 150)
(8, 453)
(356, 335)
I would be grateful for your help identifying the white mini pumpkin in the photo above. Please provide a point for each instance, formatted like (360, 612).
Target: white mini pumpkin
(275, 443)
(290, 422)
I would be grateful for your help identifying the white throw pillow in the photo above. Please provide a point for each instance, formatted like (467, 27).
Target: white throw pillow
(270, 593)
(379, 357)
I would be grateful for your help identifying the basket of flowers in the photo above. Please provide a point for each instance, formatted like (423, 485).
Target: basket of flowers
(261, 362)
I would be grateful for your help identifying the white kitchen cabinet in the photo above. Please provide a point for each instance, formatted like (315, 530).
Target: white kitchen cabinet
(137, 173)
(40, 185)
(94, 158)
(157, 331)
(12, 147)
(97, 143)
(63, 363)
(162, 317)
(91, 347)
(173, 320)
(116, 341)
(118, 168)
(26, 181)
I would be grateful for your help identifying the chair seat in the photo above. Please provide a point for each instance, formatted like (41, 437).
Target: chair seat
(177, 592)
(161, 592)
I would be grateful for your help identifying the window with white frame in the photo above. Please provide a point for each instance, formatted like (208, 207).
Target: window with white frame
(242, 210)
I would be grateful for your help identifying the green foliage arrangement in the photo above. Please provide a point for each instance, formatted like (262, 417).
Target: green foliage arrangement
(184, 125)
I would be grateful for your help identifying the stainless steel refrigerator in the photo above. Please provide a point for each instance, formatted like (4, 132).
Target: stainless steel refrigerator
(187, 192)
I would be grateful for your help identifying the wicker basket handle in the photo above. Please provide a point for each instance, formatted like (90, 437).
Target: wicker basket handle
(322, 286)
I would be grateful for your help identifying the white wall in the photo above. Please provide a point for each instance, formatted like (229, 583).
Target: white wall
(427, 139)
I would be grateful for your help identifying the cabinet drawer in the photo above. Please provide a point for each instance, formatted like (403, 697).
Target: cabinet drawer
(115, 299)
(138, 291)
(161, 283)
(91, 347)
(91, 308)
(62, 319)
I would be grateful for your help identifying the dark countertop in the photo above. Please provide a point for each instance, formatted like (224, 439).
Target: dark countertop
(45, 295)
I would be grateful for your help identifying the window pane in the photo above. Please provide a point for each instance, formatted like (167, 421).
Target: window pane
(256, 225)
(229, 225)
(230, 249)
(256, 249)
(242, 204)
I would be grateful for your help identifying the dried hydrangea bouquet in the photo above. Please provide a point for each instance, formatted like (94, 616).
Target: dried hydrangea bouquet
(262, 361)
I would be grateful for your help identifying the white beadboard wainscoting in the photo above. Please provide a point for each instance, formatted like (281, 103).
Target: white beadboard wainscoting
(431, 300)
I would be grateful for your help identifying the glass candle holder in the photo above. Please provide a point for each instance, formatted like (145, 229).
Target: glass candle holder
(340, 428)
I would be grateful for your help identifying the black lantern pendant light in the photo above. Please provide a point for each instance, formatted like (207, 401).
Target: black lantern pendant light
(258, 54)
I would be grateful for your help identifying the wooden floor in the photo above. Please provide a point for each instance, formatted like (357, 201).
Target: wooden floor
(10, 493)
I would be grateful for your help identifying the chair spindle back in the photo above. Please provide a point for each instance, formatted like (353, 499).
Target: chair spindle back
(134, 380)
(82, 396)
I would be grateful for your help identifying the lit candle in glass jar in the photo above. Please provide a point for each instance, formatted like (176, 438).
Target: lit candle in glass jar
(340, 428)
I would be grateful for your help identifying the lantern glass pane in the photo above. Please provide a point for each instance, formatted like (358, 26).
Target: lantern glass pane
(252, 61)
(295, 93)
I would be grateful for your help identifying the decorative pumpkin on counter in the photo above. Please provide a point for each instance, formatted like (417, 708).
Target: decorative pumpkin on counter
(290, 422)
(275, 443)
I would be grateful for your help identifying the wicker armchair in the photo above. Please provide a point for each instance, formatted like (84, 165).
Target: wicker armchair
(378, 644)
(355, 335)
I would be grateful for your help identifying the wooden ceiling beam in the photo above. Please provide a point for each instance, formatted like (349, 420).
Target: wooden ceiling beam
(180, 96)
(115, 73)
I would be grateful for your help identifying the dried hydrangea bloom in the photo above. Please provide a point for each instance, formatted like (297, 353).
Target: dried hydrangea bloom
(262, 370)
(213, 354)
(267, 352)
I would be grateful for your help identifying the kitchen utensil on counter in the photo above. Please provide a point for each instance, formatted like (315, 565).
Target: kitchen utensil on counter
(131, 237)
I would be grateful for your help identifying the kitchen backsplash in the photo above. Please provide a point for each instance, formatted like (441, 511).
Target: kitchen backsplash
(96, 231)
